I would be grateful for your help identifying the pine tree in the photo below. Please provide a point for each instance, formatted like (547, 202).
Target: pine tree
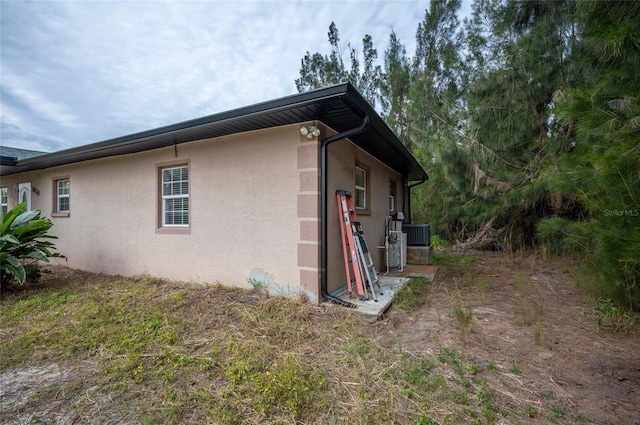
(395, 83)
(319, 70)
(604, 168)
(436, 114)
(518, 56)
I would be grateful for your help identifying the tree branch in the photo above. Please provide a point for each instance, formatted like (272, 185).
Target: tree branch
(476, 142)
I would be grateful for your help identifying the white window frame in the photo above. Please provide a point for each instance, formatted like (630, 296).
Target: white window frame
(167, 197)
(360, 188)
(4, 199)
(63, 195)
(57, 197)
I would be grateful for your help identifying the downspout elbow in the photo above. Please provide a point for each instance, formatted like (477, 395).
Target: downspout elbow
(323, 208)
(417, 184)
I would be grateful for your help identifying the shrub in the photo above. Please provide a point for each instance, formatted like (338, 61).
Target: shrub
(23, 242)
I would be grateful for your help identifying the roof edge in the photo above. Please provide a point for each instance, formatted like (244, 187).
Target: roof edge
(285, 101)
(297, 107)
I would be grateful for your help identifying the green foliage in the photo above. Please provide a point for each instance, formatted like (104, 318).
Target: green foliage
(606, 310)
(468, 259)
(318, 70)
(603, 172)
(23, 241)
(438, 243)
(464, 318)
(425, 420)
(563, 236)
(412, 293)
(286, 387)
(557, 412)
(526, 117)
(394, 89)
(515, 369)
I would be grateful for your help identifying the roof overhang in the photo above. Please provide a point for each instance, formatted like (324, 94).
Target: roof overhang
(8, 161)
(340, 107)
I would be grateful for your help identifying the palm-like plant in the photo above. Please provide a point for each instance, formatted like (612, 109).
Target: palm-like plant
(23, 240)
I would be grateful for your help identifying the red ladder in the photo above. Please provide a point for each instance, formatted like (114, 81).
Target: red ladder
(357, 263)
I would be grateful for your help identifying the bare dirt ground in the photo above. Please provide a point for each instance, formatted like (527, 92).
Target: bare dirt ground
(529, 323)
(529, 319)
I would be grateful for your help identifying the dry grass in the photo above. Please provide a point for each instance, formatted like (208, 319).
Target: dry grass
(492, 340)
(149, 351)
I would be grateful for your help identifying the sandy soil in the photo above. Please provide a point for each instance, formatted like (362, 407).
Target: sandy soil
(530, 313)
(530, 324)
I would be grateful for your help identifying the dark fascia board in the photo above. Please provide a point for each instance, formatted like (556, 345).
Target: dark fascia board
(307, 106)
(415, 171)
(102, 149)
(8, 161)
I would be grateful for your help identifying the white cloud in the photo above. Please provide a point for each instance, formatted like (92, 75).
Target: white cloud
(79, 72)
(26, 89)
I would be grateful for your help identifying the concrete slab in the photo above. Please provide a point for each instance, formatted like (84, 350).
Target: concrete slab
(389, 283)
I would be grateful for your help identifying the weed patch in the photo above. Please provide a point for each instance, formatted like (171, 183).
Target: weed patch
(249, 358)
(412, 294)
(152, 352)
(607, 311)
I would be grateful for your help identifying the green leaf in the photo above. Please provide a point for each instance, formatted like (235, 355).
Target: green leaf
(8, 238)
(12, 260)
(45, 251)
(38, 256)
(10, 216)
(22, 238)
(40, 226)
(24, 217)
(13, 266)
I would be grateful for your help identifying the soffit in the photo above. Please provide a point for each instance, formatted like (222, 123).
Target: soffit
(340, 107)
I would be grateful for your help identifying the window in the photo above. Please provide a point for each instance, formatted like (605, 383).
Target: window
(3, 199)
(392, 196)
(175, 196)
(361, 188)
(61, 196)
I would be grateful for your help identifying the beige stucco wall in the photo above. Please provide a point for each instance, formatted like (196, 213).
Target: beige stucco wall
(343, 157)
(244, 195)
(255, 211)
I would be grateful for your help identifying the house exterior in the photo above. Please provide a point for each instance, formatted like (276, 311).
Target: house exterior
(244, 197)
(8, 156)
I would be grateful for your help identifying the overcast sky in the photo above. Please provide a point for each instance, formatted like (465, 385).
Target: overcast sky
(78, 72)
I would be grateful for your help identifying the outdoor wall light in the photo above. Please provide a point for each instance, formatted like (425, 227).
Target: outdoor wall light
(310, 131)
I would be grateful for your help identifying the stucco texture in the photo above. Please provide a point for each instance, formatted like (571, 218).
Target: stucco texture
(254, 211)
(243, 192)
(343, 157)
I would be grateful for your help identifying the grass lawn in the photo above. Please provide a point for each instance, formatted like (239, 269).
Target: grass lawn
(492, 340)
(149, 351)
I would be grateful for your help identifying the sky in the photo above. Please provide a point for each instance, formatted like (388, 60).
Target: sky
(78, 72)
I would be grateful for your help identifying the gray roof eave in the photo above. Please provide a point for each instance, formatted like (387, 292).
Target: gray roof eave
(340, 107)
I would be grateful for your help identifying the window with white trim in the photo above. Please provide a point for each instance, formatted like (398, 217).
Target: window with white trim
(360, 188)
(61, 196)
(63, 200)
(3, 199)
(175, 196)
